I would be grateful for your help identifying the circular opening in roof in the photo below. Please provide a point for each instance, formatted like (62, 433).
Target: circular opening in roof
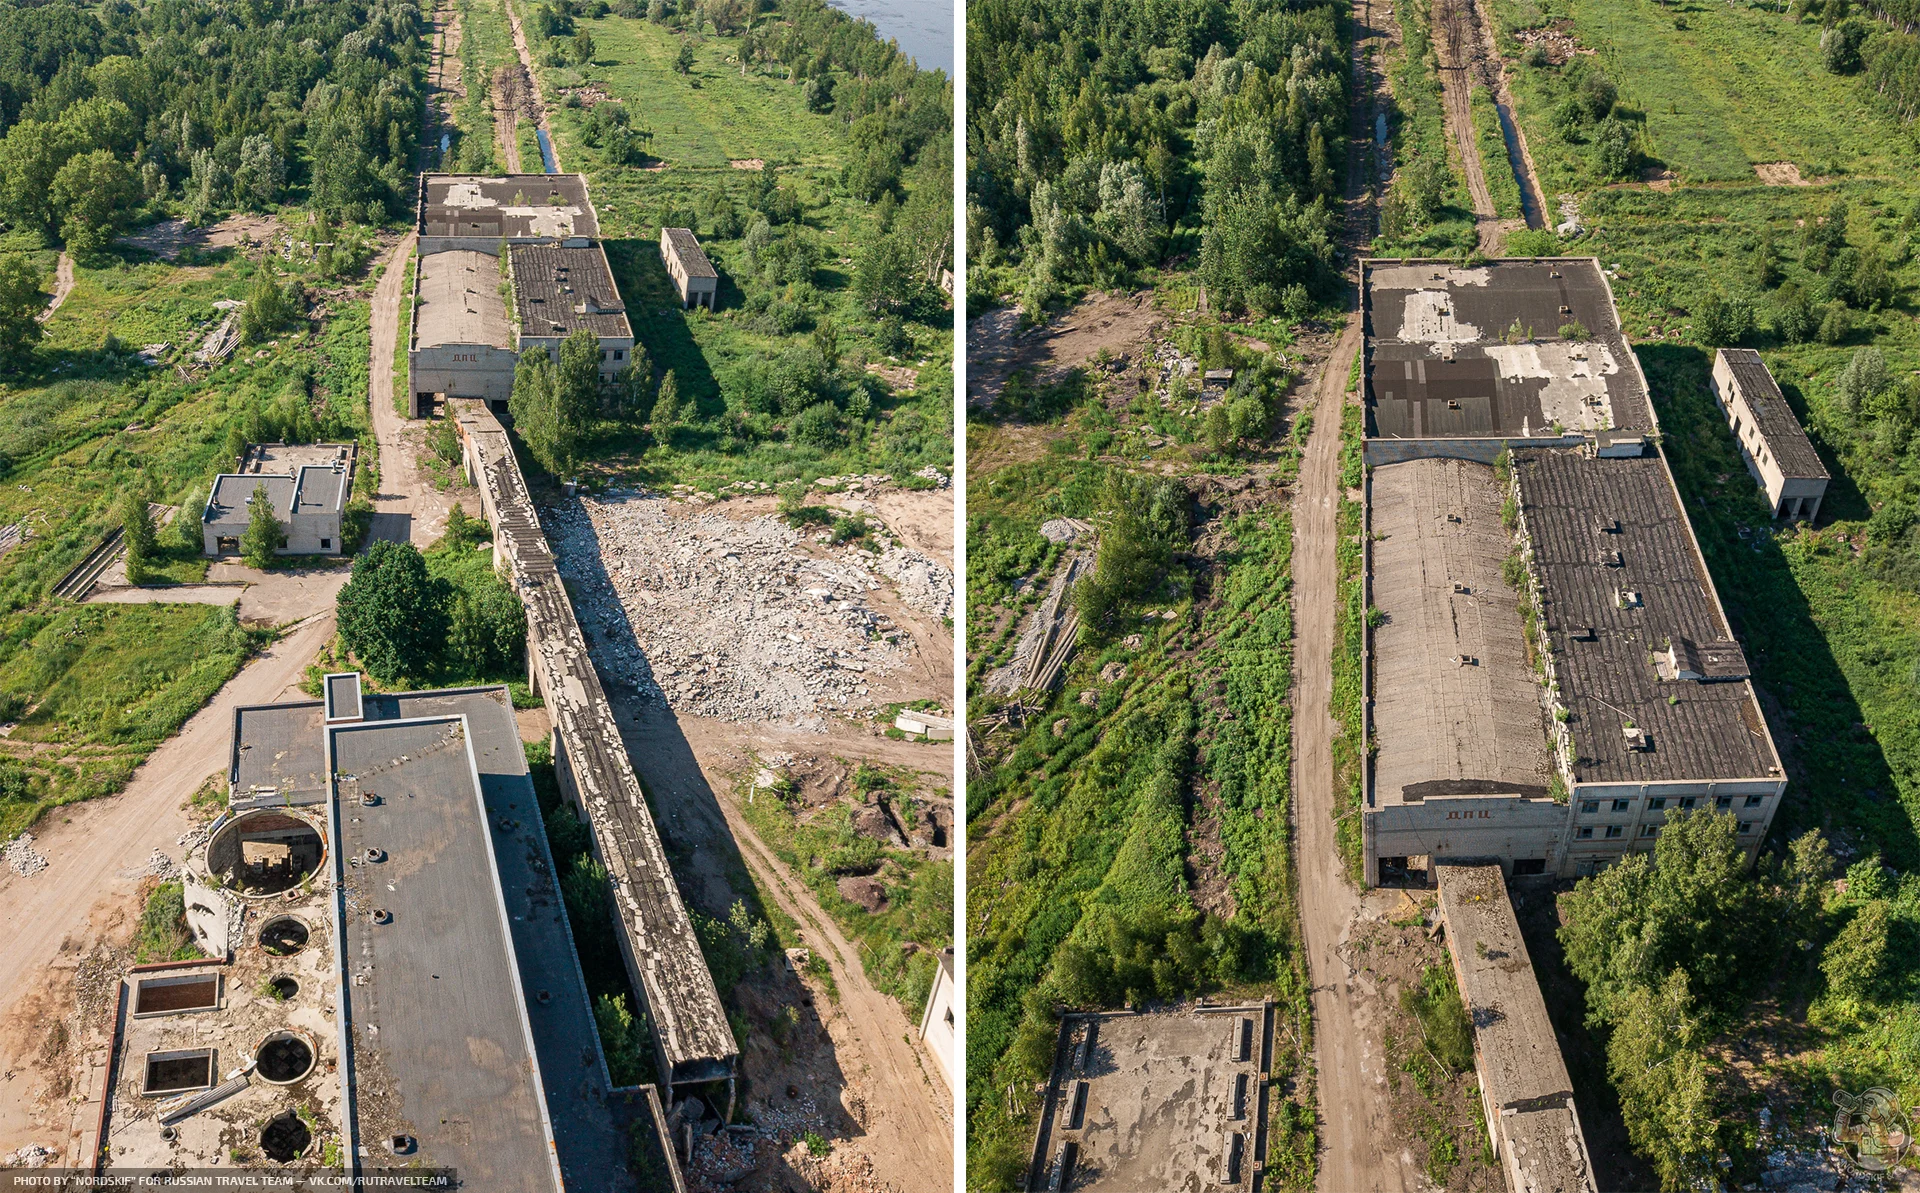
(283, 987)
(283, 1058)
(265, 852)
(284, 935)
(285, 1138)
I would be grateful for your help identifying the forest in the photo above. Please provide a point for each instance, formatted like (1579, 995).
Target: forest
(107, 110)
(1105, 139)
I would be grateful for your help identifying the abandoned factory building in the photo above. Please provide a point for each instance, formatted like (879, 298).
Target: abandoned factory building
(391, 968)
(506, 264)
(1549, 672)
(1775, 448)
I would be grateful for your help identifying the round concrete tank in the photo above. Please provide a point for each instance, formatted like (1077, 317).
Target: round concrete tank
(283, 1058)
(265, 851)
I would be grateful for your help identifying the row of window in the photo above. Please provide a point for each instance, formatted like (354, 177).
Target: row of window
(1658, 803)
(1614, 831)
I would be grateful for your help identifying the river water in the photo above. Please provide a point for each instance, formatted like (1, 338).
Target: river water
(924, 28)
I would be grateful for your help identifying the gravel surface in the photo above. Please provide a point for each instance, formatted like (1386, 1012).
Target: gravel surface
(732, 618)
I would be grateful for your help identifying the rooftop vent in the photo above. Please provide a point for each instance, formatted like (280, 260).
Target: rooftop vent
(1607, 525)
(1610, 558)
(1626, 598)
(1636, 738)
(1710, 662)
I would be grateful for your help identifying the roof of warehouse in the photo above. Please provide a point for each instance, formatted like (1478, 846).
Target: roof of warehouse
(1457, 352)
(1773, 416)
(506, 206)
(460, 301)
(560, 290)
(1622, 582)
(693, 258)
(1456, 706)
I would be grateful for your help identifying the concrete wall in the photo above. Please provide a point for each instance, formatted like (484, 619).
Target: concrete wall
(609, 367)
(1490, 827)
(1482, 451)
(308, 534)
(937, 1024)
(490, 245)
(459, 370)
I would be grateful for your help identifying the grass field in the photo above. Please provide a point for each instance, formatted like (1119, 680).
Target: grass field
(700, 122)
(1740, 85)
(92, 689)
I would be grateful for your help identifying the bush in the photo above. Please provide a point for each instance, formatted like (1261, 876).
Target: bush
(1435, 1002)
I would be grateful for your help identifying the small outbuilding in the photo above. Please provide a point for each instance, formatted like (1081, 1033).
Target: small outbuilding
(1774, 445)
(309, 485)
(693, 275)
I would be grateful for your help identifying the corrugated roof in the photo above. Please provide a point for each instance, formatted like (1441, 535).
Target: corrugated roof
(1580, 511)
(560, 290)
(1772, 416)
(693, 258)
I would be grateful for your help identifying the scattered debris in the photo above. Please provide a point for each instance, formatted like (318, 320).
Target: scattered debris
(1570, 224)
(725, 618)
(158, 865)
(20, 854)
(923, 584)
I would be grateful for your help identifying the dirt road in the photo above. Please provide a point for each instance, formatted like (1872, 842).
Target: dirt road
(1456, 41)
(53, 916)
(62, 286)
(533, 80)
(1355, 1122)
(689, 763)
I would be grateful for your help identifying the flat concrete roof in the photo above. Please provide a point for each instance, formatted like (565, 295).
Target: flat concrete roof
(438, 1035)
(289, 457)
(312, 489)
(1611, 531)
(1457, 708)
(1774, 419)
(693, 1037)
(1163, 1099)
(506, 206)
(1523, 1077)
(557, 291)
(693, 258)
(278, 746)
(1456, 353)
(343, 696)
(460, 301)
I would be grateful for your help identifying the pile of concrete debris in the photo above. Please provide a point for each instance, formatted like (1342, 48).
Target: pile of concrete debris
(720, 617)
(20, 856)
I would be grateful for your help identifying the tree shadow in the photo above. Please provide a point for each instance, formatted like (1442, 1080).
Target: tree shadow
(1844, 502)
(708, 867)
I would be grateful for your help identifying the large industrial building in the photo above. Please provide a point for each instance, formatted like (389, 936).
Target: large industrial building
(391, 980)
(1549, 672)
(506, 264)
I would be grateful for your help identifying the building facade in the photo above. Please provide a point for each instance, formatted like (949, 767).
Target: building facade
(309, 485)
(936, 1024)
(693, 275)
(1778, 454)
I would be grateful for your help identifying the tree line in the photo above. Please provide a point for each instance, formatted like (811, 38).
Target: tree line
(192, 106)
(1096, 127)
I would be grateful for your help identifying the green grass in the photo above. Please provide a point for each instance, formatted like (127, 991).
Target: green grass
(162, 934)
(1494, 165)
(700, 122)
(1417, 128)
(1740, 85)
(399, 393)
(919, 909)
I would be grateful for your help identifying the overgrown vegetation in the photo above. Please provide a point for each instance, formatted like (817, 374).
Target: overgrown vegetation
(162, 934)
(1108, 137)
(443, 619)
(900, 942)
(830, 351)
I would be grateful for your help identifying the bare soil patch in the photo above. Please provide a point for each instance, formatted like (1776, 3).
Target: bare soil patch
(168, 238)
(747, 163)
(996, 347)
(1783, 174)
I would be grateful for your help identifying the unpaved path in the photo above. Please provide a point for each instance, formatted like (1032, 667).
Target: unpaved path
(506, 117)
(1356, 1126)
(1493, 72)
(1456, 40)
(407, 508)
(54, 916)
(533, 83)
(690, 763)
(62, 286)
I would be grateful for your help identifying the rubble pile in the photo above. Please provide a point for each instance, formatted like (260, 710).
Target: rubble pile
(923, 584)
(20, 854)
(723, 618)
(158, 865)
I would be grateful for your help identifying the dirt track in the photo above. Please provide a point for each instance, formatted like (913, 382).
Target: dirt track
(408, 507)
(62, 286)
(689, 763)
